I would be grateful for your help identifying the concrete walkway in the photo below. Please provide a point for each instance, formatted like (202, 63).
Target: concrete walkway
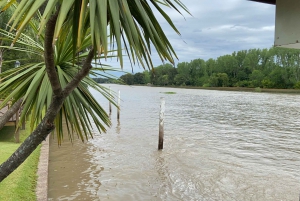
(42, 181)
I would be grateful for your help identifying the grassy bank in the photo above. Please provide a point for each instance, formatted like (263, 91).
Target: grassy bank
(21, 184)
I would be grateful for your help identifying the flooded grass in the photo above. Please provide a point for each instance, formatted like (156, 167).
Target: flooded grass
(169, 92)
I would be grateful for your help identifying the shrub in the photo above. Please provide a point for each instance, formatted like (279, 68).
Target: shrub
(297, 85)
(257, 89)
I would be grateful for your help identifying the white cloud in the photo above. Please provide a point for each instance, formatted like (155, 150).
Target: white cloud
(217, 27)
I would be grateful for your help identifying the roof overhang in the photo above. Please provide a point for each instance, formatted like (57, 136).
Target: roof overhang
(287, 24)
(266, 1)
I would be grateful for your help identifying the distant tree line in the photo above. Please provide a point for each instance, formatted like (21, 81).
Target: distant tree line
(266, 68)
(105, 80)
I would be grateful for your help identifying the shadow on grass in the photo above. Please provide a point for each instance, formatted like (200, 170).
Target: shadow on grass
(7, 134)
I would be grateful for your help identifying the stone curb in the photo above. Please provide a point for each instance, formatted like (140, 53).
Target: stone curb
(42, 172)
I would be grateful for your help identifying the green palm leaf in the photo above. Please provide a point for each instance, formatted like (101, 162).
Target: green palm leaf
(31, 83)
(132, 22)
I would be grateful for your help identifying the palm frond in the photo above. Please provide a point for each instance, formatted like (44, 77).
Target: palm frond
(80, 110)
(131, 24)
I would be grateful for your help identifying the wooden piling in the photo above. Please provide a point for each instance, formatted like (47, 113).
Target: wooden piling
(109, 102)
(118, 114)
(161, 124)
(17, 132)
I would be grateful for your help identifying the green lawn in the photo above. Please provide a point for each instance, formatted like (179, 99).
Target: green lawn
(21, 184)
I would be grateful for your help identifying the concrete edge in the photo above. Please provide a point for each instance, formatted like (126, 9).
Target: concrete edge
(42, 172)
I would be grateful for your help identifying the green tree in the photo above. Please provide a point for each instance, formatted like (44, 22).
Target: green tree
(180, 80)
(223, 79)
(164, 79)
(138, 78)
(267, 83)
(127, 78)
(219, 80)
(211, 66)
(147, 78)
(252, 59)
(162, 70)
(183, 76)
(197, 70)
(228, 64)
(134, 20)
(280, 78)
(297, 85)
(256, 77)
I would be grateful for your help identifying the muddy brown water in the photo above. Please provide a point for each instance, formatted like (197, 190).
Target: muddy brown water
(218, 146)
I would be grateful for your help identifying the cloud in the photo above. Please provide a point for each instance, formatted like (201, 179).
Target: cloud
(217, 27)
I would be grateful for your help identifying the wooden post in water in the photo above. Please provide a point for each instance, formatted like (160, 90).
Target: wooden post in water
(118, 114)
(109, 102)
(161, 124)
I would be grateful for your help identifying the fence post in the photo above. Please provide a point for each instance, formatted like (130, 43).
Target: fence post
(17, 132)
(161, 124)
(109, 102)
(118, 114)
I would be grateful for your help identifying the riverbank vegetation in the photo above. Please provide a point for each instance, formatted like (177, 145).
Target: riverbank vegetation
(264, 68)
(21, 184)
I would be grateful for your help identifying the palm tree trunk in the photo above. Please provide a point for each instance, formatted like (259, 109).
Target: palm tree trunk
(33, 141)
(10, 112)
(46, 126)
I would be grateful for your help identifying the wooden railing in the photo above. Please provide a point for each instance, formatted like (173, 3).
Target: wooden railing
(13, 121)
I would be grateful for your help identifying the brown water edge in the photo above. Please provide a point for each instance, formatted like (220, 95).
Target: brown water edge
(66, 162)
(242, 89)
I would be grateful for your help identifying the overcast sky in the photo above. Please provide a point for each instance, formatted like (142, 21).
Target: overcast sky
(217, 27)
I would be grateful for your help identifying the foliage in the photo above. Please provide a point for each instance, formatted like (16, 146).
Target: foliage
(104, 80)
(133, 20)
(138, 78)
(32, 83)
(257, 89)
(267, 68)
(10, 56)
(267, 83)
(297, 85)
(127, 78)
(147, 78)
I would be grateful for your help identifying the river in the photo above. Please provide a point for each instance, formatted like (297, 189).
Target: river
(219, 145)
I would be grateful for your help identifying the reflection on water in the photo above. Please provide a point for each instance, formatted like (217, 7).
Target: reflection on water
(218, 146)
(118, 128)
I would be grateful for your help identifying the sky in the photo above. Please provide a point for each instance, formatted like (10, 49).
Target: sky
(216, 28)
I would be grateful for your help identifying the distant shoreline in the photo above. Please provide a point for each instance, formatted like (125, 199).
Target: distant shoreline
(245, 89)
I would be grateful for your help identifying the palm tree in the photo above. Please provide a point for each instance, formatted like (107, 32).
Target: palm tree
(128, 24)
(30, 83)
